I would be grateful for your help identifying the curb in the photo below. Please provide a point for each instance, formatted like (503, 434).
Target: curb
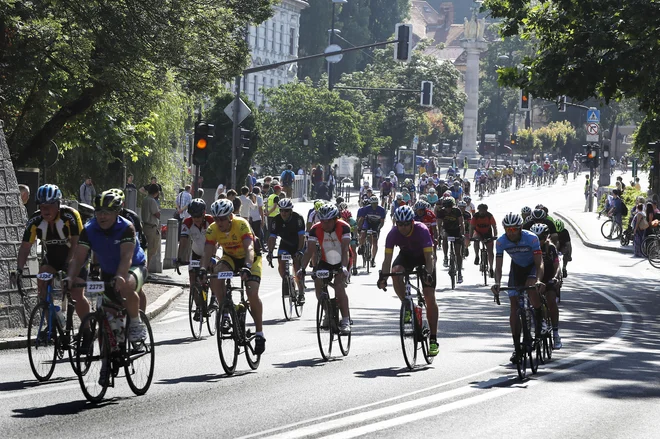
(585, 241)
(153, 310)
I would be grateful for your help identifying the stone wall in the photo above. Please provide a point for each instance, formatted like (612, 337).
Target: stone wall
(12, 223)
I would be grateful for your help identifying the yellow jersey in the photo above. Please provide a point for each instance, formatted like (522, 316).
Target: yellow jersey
(232, 241)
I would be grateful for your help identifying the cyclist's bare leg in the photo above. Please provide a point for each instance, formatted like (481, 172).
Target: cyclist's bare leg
(252, 290)
(551, 299)
(398, 283)
(374, 246)
(431, 309)
(143, 300)
(82, 305)
(126, 289)
(491, 255)
(340, 295)
(218, 285)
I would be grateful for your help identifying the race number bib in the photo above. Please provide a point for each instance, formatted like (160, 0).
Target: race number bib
(322, 274)
(225, 275)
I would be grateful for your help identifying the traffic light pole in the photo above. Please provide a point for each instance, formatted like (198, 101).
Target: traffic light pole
(235, 138)
(591, 186)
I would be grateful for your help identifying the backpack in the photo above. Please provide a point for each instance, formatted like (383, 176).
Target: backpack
(287, 180)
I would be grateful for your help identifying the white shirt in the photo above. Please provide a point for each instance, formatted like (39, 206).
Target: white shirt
(301, 172)
(254, 211)
(246, 206)
(219, 190)
(399, 168)
(183, 200)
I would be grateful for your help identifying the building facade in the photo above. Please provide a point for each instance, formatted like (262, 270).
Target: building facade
(273, 41)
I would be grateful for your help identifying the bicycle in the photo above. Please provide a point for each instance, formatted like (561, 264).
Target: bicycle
(290, 294)
(626, 237)
(237, 327)
(527, 346)
(413, 324)
(366, 250)
(107, 323)
(452, 260)
(546, 345)
(199, 301)
(327, 318)
(48, 336)
(610, 230)
(484, 268)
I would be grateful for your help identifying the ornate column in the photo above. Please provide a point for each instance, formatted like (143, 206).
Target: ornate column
(474, 44)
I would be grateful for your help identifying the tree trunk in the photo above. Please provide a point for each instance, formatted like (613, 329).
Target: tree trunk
(38, 143)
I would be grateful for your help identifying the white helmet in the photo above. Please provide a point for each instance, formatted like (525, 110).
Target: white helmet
(222, 207)
(285, 203)
(512, 220)
(328, 212)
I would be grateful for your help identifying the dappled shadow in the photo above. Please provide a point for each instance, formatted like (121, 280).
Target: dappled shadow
(63, 408)
(28, 384)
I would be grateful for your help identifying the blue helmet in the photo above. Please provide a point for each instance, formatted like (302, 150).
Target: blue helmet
(48, 194)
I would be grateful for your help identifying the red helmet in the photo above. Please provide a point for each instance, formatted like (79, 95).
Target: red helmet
(346, 214)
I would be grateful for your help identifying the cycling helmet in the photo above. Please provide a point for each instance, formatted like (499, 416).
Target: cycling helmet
(448, 202)
(404, 213)
(365, 183)
(462, 204)
(391, 173)
(467, 199)
(539, 214)
(328, 212)
(120, 194)
(404, 189)
(446, 194)
(388, 178)
(339, 200)
(373, 200)
(48, 194)
(346, 214)
(342, 207)
(222, 207)
(540, 229)
(432, 190)
(421, 204)
(482, 206)
(107, 200)
(197, 207)
(539, 206)
(457, 183)
(423, 197)
(512, 220)
(369, 189)
(559, 225)
(407, 181)
(399, 196)
(285, 203)
(318, 204)
(526, 211)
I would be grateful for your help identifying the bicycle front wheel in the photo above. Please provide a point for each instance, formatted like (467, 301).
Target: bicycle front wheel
(407, 328)
(367, 253)
(452, 270)
(610, 230)
(93, 361)
(521, 365)
(227, 337)
(324, 322)
(250, 331)
(210, 313)
(42, 346)
(297, 305)
(195, 311)
(287, 303)
(484, 267)
(141, 357)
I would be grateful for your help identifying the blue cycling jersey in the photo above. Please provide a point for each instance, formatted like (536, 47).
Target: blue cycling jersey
(372, 216)
(521, 252)
(106, 243)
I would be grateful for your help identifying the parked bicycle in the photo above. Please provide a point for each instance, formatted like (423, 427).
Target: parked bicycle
(237, 330)
(328, 318)
(413, 324)
(109, 349)
(527, 344)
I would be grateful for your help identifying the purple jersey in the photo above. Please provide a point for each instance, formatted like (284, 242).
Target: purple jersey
(415, 244)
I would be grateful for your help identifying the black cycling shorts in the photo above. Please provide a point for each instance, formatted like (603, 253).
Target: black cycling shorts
(409, 263)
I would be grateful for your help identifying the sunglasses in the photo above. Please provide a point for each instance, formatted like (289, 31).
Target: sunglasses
(403, 223)
(198, 216)
(104, 211)
(285, 210)
(222, 218)
(512, 229)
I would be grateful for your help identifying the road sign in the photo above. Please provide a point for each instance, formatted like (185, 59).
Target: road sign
(333, 58)
(593, 115)
(592, 138)
(592, 128)
(490, 138)
(243, 110)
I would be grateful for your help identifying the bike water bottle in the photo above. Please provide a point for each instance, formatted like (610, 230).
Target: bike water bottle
(418, 315)
(115, 328)
(425, 323)
(60, 316)
(121, 331)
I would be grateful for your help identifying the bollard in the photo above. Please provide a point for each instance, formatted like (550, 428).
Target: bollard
(171, 243)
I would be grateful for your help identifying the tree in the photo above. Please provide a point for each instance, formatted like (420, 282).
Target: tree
(333, 124)
(58, 60)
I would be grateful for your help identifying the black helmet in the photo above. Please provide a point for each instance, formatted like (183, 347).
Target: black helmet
(539, 214)
(197, 207)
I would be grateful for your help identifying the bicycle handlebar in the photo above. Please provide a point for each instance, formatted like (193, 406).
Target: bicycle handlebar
(420, 271)
(497, 296)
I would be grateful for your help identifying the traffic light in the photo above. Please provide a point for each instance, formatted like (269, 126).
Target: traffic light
(524, 103)
(245, 141)
(403, 45)
(562, 104)
(592, 155)
(514, 139)
(427, 94)
(202, 142)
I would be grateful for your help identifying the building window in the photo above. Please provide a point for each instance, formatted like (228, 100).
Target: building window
(272, 40)
(256, 37)
(254, 88)
(292, 41)
(281, 38)
(279, 82)
(272, 83)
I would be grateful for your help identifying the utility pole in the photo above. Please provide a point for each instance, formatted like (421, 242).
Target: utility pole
(236, 137)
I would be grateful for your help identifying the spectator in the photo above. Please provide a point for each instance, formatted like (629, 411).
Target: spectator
(182, 202)
(248, 202)
(200, 193)
(145, 189)
(322, 191)
(588, 191)
(87, 191)
(219, 190)
(331, 183)
(150, 214)
(639, 225)
(617, 209)
(272, 208)
(637, 185)
(301, 171)
(398, 168)
(378, 173)
(232, 196)
(619, 179)
(249, 182)
(317, 177)
(129, 183)
(25, 193)
(257, 215)
(466, 165)
(287, 178)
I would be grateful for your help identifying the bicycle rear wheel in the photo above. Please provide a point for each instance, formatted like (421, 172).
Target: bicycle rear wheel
(227, 338)
(484, 266)
(297, 305)
(250, 331)
(530, 344)
(209, 314)
(195, 326)
(141, 357)
(344, 340)
(452, 269)
(521, 365)
(610, 230)
(324, 333)
(287, 303)
(407, 323)
(42, 348)
(424, 335)
(93, 379)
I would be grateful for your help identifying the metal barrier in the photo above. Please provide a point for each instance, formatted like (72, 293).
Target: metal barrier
(171, 245)
(301, 188)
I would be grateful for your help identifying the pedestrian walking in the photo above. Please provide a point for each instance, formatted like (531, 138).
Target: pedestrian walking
(150, 214)
(331, 183)
(248, 202)
(287, 178)
(87, 192)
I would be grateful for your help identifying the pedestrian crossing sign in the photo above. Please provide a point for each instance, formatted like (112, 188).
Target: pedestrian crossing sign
(593, 115)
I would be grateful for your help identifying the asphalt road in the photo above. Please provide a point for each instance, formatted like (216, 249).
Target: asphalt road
(603, 383)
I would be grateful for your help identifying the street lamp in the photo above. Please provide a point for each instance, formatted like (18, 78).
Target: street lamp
(331, 38)
(504, 59)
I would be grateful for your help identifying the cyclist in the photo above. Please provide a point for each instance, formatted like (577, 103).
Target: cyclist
(398, 202)
(235, 236)
(290, 227)
(564, 239)
(551, 277)
(456, 190)
(415, 249)
(347, 216)
(370, 217)
(193, 237)
(366, 196)
(386, 190)
(363, 189)
(469, 204)
(333, 236)
(525, 212)
(410, 186)
(424, 214)
(115, 245)
(312, 215)
(395, 180)
(484, 226)
(407, 199)
(539, 216)
(58, 227)
(526, 270)
(467, 219)
(450, 220)
(432, 197)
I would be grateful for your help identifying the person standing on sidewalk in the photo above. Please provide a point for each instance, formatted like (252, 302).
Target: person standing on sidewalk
(87, 191)
(617, 209)
(150, 214)
(257, 215)
(466, 165)
(272, 208)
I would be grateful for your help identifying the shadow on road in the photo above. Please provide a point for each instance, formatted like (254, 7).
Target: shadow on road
(180, 341)
(205, 378)
(29, 384)
(309, 362)
(63, 408)
(392, 372)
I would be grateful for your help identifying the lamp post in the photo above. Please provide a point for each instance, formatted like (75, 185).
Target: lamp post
(331, 38)
(504, 59)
